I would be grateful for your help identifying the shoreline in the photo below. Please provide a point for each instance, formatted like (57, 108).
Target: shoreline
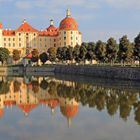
(107, 72)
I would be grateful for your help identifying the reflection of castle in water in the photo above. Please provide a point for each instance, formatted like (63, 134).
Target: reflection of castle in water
(28, 96)
(29, 93)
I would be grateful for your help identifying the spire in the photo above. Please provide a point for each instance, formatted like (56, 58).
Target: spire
(25, 114)
(52, 111)
(69, 122)
(51, 22)
(68, 15)
(24, 20)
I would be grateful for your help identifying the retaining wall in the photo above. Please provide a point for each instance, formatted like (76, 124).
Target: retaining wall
(124, 73)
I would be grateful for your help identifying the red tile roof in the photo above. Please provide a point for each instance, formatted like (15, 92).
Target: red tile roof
(52, 103)
(50, 31)
(44, 101)
(25, 27)
(9, 103)
(8, 32)
(68, 24)
(28, 56)
(26, 108)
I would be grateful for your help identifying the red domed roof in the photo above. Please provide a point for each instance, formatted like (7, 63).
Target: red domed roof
(68, 23)
(69, 111)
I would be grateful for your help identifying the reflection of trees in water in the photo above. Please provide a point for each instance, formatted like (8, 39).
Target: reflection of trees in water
(52, 88)
(35, 85)
(16, 85)
(44, 84)
(4, 87)
(99, 97)
(137, 112)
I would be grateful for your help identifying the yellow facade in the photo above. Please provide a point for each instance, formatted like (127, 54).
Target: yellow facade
(26, 38)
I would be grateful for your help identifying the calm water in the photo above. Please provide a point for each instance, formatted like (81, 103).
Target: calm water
(38, 108)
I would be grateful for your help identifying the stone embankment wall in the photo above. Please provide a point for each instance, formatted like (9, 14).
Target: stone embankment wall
(13, 71)
(19, 71)
(44, 70)
(123, 73)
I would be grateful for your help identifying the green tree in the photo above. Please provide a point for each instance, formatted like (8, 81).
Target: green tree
(100, 51)
(35, 55)
(64, 53)
(123, 49)
(76, 53)
(70, 53)
(43, 57)
(85, 44)
(4, 55)
(16, 55)
(111, 50)
(130, 57)
(82, 54)
(90, 55)
(137, 48)
(59, 53)
(52, 54)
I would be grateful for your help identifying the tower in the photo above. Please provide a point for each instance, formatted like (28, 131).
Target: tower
(69, 32)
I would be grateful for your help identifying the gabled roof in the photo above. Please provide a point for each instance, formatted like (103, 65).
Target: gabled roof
(26, 108)
(26, 27)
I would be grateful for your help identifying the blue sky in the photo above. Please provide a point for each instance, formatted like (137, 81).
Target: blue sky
(97, 19)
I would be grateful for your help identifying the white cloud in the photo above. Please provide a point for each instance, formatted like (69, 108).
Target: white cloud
(55, 3)
(23, 5)
(124, 3)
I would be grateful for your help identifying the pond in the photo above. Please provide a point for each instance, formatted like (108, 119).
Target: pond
(52, 108)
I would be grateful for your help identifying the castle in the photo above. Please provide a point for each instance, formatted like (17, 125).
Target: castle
(26, 38)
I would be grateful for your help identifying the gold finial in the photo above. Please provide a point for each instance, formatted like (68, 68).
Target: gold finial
(51, 22)
(68, 13)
